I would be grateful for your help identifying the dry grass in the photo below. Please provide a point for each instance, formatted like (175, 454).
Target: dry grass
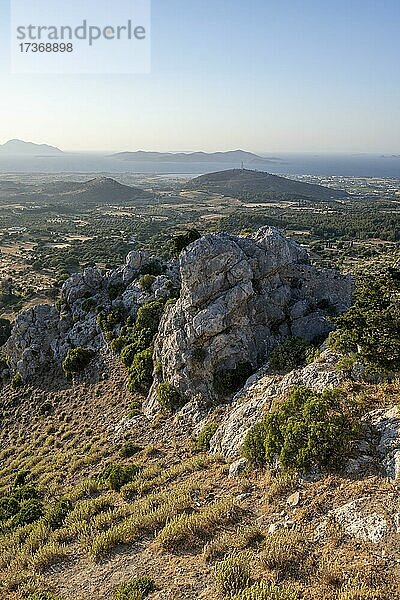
(263, 590)
(187, 530)
(180, 503)
(232, 574)
(240, 539)
(145, 518)
(155, 476)
(283, 551)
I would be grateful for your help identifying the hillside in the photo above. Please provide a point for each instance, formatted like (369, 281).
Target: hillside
(21, 148)
(104, 189)
(173, 429)
(100, 190)
(240, 183)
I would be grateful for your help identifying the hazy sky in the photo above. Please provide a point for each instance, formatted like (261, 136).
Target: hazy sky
(262, 75)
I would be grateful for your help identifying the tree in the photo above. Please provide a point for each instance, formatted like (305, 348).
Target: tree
(371, 327)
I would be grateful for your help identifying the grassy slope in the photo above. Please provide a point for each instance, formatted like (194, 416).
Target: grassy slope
(111, 536)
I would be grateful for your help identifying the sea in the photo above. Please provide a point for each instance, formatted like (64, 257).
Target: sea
(348, 165)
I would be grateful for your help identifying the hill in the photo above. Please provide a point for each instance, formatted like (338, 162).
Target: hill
(100, 190)
(21, 148)
(234, 157)
(240, 183)
(103, 189)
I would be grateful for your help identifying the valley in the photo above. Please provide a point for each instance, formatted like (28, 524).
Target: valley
(52, 226)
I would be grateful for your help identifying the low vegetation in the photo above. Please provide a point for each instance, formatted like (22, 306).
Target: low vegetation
(168, 397)
(137, 588)
(76, 361)
(232, 574)
(308, 430)
(292, 353)
(205, 435)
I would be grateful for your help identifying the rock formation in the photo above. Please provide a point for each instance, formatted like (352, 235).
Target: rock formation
(42, 335)
(239, 298)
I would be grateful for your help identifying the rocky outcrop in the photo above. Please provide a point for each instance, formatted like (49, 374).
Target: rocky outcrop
(256, 398)
(362, 519)
(30, 344)
(239, 298)
(42, 336)
(385, 425)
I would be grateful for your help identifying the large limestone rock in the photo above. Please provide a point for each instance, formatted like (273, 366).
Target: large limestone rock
(29, 346)
(82, 285)
(385, 424)
(42, 336)
(239, 298)
(362, 519)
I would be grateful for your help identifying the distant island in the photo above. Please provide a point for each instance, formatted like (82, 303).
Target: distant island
(246, 184)
(21, 148)
(230, 157)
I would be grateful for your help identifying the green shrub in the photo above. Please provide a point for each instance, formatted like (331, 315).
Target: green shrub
(57, 514)
(232, 574)
(169, 397)
(346, 364)
(149, 316)
(146, 282)
(88, 304)
(135, 589)
(254, 444)
(5, 330)
(76, 360)
(119, 343)
(30, 511)
(9, 506)
(129, 449)
(17, 381)
(140, 341)
(135, 408)
(115, 290)
(21, 478)
(154, 268)
(371, 326)
(4, 362)
(289, 355)
(117, 476)
(309, 429)
(182, 241)
(228, 381)
(26, 492)
(205, 435)
(140, 376)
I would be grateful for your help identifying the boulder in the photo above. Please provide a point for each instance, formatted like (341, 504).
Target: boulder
(238, 467)
(359, 520)
(82, 285)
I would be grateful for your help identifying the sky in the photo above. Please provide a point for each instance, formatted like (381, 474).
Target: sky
(261, 75)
